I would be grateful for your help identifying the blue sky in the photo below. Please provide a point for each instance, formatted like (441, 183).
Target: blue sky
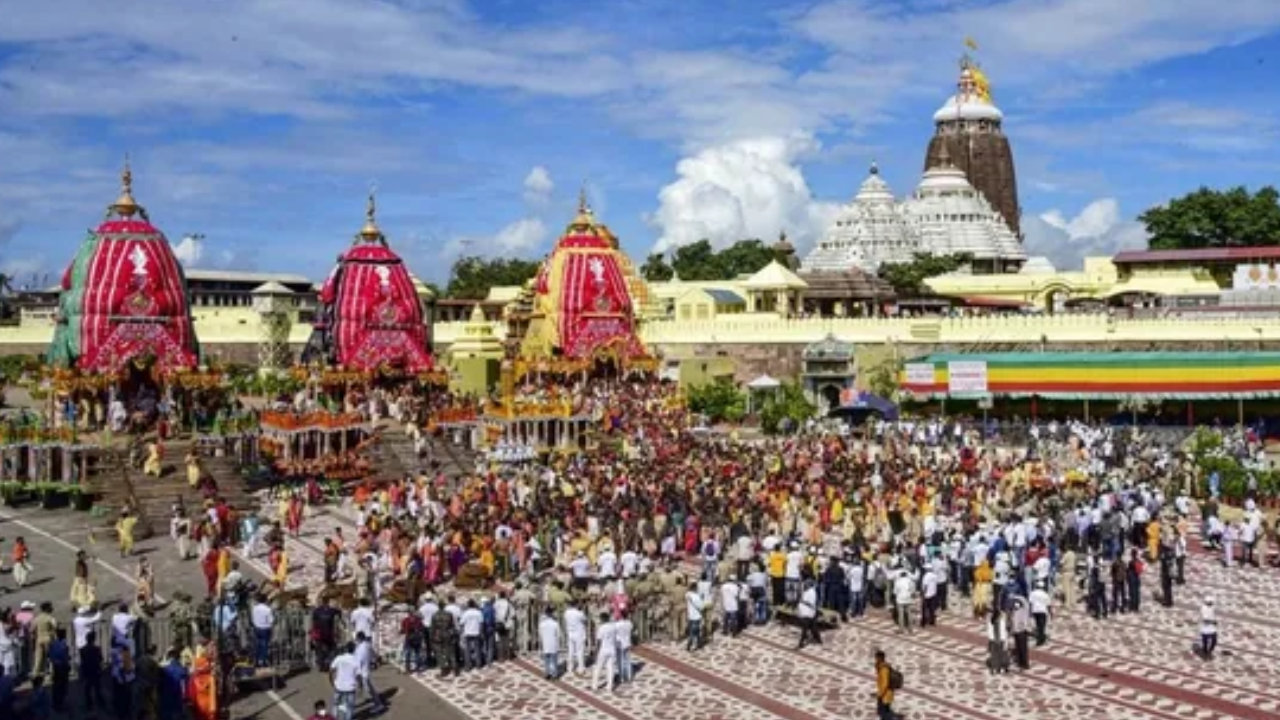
(262, 124)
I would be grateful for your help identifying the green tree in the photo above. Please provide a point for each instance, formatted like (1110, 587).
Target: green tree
(700, 261)
(471, 277)
(696, 261)
(883, 378)
(1215, 219)
(745, 257)
(719, 400)
(656, 268)
(907, 278)
(786, 407)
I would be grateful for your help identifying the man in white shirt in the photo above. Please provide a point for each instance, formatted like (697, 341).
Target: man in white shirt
(745, 549)
(122, 624)
(581, 570)
(83, 624)
(503, 619)
(856, 575)
(1041, 607)
(575, 629)
(630, 564)
(729, 594)
(758, 585)
(622, 629)
(607, 562)
(1208, 629)
(364, 672)
(264, 619)
(549, 641)
(807, 611)
(362, 620)
(928, 598)
(903, 589)
(693, 607)
(606, 653)
(344, 676)
(472, 627)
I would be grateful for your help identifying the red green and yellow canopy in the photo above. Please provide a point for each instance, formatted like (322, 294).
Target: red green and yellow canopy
(1094, 375)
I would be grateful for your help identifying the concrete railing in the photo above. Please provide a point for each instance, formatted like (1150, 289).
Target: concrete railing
(235, 326)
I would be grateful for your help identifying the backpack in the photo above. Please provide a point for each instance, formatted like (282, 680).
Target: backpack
(895, 678)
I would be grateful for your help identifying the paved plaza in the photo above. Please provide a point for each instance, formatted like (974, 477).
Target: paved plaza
(1133, 666)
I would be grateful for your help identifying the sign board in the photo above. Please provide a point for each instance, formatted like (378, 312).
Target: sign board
(919, 374)
(967, 376)
(986, 403)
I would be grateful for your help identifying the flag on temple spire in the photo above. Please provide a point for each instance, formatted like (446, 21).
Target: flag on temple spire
(970, 43)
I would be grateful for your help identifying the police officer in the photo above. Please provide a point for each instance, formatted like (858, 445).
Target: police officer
(444, 642)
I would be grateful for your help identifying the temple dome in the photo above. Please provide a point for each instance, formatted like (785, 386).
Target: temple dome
(370, 316)
(583, 302)
(867, 232)
(124, 297)
(972, 100)
(948, 215)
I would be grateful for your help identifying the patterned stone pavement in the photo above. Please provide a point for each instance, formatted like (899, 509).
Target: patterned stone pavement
(1131, 666)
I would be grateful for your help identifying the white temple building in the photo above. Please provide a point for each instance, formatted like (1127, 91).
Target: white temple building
(945, 215)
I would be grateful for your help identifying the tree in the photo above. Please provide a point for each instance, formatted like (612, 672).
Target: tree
(1215, 219)
(786, 409)
(471, 277)
(656, 268)
(883, 378)
(700, 261)
(745, 257)
(907, 278)
(719, 400)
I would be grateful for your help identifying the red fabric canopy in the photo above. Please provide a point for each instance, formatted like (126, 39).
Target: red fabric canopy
(594, 305)
(134, 301)
(372, 315)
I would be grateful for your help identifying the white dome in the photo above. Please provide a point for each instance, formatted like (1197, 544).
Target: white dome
(949, 216)
(866, 233)
(874, 189)
(967, 108)
(944, 179)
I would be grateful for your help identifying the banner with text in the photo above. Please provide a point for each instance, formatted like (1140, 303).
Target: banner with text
(967, 376)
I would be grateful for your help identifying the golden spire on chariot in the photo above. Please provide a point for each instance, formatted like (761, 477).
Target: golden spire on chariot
(125, 206)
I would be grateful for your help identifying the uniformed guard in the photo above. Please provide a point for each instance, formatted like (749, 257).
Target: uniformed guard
(444, 642)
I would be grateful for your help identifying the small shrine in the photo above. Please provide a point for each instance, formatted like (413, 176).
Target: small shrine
(370, 324)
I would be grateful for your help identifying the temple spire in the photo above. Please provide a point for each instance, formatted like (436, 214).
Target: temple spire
(370, 231)
(125, 206)
(585, 219)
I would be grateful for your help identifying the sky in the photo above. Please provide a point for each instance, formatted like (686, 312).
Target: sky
(263, 124)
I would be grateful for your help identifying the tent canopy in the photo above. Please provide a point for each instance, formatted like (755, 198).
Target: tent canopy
(764, 382)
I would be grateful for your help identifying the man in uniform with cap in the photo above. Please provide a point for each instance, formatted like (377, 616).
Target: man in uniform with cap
(444, 642)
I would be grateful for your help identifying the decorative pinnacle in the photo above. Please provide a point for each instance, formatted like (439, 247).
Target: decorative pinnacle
(125, 206)
(875, 169)
(370, 230)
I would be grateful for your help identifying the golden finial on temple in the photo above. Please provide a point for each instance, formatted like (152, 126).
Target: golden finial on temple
(585, 218)
(125, 206)
(370, 230)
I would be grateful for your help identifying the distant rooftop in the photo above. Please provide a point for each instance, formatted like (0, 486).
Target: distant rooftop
(1139, 257)
(257, 278)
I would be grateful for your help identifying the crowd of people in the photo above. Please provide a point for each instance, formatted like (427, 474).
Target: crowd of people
(655, 530)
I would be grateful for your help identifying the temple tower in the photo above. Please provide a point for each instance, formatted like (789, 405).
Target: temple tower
(969, 127)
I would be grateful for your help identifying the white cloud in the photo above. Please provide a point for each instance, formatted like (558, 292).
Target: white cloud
(193, 252)
(1098, 230)
(538, 187)
(741, 190)
(521, 238)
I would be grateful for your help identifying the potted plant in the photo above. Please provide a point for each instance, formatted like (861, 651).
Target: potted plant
(52, 495)
(81, 500)
(14, 492)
